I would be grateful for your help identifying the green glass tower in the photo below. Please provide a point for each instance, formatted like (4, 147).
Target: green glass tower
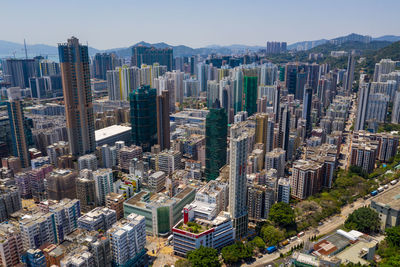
(144, 116)
(250, 94)
(216, 135)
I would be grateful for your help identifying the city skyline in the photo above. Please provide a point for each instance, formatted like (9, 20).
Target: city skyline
(194, 25)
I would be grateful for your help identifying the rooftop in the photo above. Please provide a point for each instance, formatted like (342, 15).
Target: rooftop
(110, 131)
(389, 198)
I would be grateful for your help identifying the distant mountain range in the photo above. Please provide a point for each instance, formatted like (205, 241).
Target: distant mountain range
(11, 49)
(306, 45)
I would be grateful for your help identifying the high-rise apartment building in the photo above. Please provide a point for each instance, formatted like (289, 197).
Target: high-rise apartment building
(284, 127)
(348, 85)
(250, 94)
(21, 135)
(239, 143)
(88, 161)
(86, 193)
(11, 247)
(306, 178)
(307, 101)
(10, 201)
(216, 141)
(115, 202)
(163, 124)
(20, 70)
(275, 159)
(150, 55)
(103, 184)
(128, 240)
(276, 47)
(61, 184)
(103, 62)
(97, 219)
(74, 61)
(363, 95)
(143, 117)
(38, 229)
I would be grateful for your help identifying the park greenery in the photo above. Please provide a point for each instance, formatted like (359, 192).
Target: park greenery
(364, 219)
(202, 257)
(390, 247)
(237, 252)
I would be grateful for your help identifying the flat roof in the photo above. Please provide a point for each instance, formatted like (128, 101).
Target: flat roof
(110, 131)
(354, 252)
(389, 198)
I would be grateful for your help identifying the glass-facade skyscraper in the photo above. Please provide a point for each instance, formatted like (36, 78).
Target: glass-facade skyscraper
(216, 135)
(144, 116)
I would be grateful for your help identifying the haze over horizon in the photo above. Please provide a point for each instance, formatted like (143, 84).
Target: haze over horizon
(197, 24)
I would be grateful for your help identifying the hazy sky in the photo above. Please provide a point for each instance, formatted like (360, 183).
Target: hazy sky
(117, 23)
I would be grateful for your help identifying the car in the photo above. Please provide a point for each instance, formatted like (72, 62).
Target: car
(393, 182)
(386, 186)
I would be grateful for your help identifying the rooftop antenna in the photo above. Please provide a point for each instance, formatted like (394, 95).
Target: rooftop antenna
(26, 51)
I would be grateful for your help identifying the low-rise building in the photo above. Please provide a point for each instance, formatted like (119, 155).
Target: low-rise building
(387, 204)
(161, 211)
(201, 226)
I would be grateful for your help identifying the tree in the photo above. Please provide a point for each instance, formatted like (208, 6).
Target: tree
(391, 261)
(182, 263)
(282, 214)
(393, 236)
(365, 220)
(272, 235)
(258, 242)
(204, 257)
(236, 252)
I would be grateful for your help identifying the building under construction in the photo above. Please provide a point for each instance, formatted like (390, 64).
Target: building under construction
(61, 184)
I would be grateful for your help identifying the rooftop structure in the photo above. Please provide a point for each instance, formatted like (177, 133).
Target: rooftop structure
(111, 134)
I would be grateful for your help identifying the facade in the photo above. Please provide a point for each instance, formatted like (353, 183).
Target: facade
(61, 184)
(306, 178)
(169, 161)
(387, 205)
(126, 154)
(215, 231)
(237, 179)
(363, 155)
(21, 135)
(97, 219)
(156, 181)
(128, 240)
(276, 160)
(66, 214)
(115, 202)
(283, 190)
(87, 162)
(10, 201)
(11, 247)
(216, 142)
(19, 71)
(250, 94)
(348, 85)
(363, 96)
(104, 184)
(143, 117)
(38, 229)
(163, 125)
(161, 211)
(74, 62)
(86, 193)
(150, 55)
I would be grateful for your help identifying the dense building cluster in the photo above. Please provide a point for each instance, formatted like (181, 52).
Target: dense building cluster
(195, 148)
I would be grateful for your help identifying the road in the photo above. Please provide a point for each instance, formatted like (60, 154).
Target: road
(345, 147)
(329, 226)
